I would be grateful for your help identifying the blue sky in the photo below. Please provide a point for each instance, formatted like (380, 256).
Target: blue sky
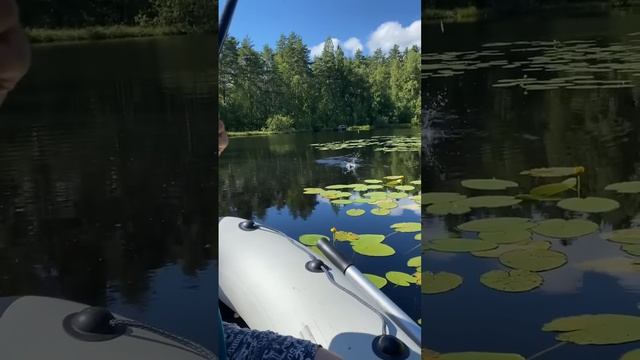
(365, 24)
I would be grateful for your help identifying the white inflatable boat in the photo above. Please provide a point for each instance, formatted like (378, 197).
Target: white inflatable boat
(275, 283)
(34, 328)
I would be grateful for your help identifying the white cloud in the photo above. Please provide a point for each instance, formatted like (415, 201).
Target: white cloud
(353, 44)
(393, 33)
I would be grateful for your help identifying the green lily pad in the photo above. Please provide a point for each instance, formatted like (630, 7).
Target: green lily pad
(627, 187)
(596, 329)
(488, 184)
(512, 280)
(501, 249)
(371, 245)
(565, 229)
(504, 224)
(376, 195)
(439, 197)
(313, 191)
(624, 236)
(361, 200)
(375, 187)
(405, 187)
(400, 278)
(380, 212)
(393, 177)
(548, 190)
(378, 281)
(407, 227)
(414, 261)
(589, 204)
(505, 237)
(397, 195)
(533, 259)
(346, 236)
(361, 187)
(415, 182)
(355, 212)
(373, 181)
(447, 208)
(553, 171)
(387, 204)
(311, 239)
(631, 355)
(440, 282)
(631, 249)
(342, 202)
(418, 237)
(537, 197)
(337, 187)
(461, 245)
(489, 201)
(473, 355)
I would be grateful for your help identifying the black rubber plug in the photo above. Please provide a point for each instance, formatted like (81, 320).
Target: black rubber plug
(389, 347)
(92, 324)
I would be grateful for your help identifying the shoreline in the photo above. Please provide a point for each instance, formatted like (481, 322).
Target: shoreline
(474, 14)
(365, 128)
(99, 33)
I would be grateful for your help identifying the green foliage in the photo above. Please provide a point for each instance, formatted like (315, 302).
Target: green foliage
(280, 123)
(330, 90)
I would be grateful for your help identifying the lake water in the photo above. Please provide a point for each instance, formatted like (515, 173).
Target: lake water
(477, 130)
(264, 178)
(107, 180)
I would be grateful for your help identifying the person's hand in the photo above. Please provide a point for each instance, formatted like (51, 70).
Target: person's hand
(15, 54)
(223, 139)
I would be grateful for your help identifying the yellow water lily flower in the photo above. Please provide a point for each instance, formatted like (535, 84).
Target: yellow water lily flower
(333, 229)
(579, 170)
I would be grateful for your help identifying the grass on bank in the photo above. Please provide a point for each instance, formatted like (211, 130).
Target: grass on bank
(472, 13)
(98, 33)
(351, 128)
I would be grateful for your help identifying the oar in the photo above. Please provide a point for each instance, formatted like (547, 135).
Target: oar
(225, 23)
(389, 308)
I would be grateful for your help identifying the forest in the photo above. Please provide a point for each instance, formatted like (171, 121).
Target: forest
(284, 89)
(181, 16)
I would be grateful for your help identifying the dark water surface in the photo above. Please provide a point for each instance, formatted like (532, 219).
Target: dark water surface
(474, 130)
(107, 180)
(263, 178)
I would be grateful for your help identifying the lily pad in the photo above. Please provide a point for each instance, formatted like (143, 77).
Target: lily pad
(631, 249)
(565, 229)
(400, 278)
(533, 259)
(371, 245)
(548, 190)
(501, 249)
(461, 245)
(346, 236)
(376, 195)
(511, 280)
(473, 355)
(440, 282)
(407, 227)
(393, 177)
(337, 187)
(405, 187)
(387, 204)
(418, 237)
(313, 191)
(380, 212)
(488, 184)
(447, 208)
(374, 187)
(589, 204)
(489, 201)
(397, 195)
(631, 355)
(355, 212)
(415, 182)
(553, 171)
(414, 261)
(439, 197)
(627, 187)
(361, 200)
(596, 329)
(378, 281)
(342, 202)
(311, 239)
(504, 224)
(373, 181)
(505, 237)
(624, 236)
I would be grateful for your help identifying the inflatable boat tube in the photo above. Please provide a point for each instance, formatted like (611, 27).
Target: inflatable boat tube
(275, 283)
(33, 327)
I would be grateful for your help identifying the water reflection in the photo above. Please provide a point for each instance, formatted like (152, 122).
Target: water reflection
(498, 132)
(107, 175)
